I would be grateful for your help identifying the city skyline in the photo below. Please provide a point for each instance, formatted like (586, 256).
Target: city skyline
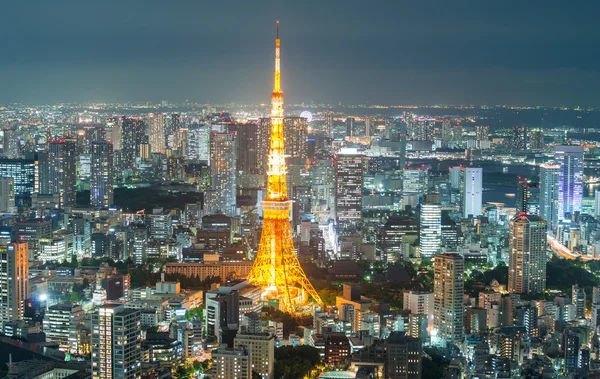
(509, 53)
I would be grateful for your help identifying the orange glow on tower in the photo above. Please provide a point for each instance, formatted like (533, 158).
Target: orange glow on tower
(276, 267)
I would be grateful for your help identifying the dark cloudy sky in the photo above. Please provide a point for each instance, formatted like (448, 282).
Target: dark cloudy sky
(353, 51)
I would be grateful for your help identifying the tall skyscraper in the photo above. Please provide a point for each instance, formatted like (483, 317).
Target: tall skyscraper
(527, 254)
(448, 291)
(528, 196)
(549, 179)
(116, 343)
(430, 228)
(157, 123)
(101, 183)
(350, 126)
(61, 175)
(276, 268)
(14, 281)
(25, 177)
(348, 194)
(199, 143)
(134, 131)
(7, 196)
(223, 171)
(570, 179)
(519, 137)
(296, 136)
(261, 351)
(403, 356)
(472, 198)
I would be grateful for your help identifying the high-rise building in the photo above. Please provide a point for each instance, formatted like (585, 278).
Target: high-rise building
(536, 141)
(396, 237)
(223, 161)
(571, 350)
(61, 175)
(231, 363)
(60, 325)
(403, 354)
(350, 126)
(348, 194)
(7, 196)
(116, 343)
(247, 143)
(24, 173)
(570, 179)
(528, 196)
(519, 137)
(261, 350)
(456, 177)
(14, 281)
(472, 190)
(578, 296)
(157, 123)
(430, 228)
(549, 179)
(448, 291)
(101, 183)
(527, 254)
(199, 143)
(134, 131)
(296, 136)
(414, 182)
(276, 268)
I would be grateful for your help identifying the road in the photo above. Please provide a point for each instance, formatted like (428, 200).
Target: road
(564, 252)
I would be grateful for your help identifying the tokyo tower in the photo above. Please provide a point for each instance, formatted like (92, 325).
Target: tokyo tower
(276, 267)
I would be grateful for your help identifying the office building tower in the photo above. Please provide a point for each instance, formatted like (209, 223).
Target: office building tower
(101, 183)
(14, 281)
(549, 188)
(456, 177)
(570, 179)
(116, 343)
(536, 140)
(134, 133)
(368, 122)
(223, 169)
(519, 138)
(247, 147)
(261, 352)
(402, 138)
(60, 176)
(32, 231)
(472, 190)
(157, 123)
(578, 299)
(448, 290)
(348, 195)
(422, 129)
(199, 143)
(527, 254)
(296, 135)
(60, 325)
(222, 316)
(231, 363)
(263, 134)
(571, 351)
(430, 229)
(528, 196)
(350, 126)
(161, 224)
(396, 237)
(420, 303)
(414, 182)
(24, 173)
(403, 356)
(7, 196)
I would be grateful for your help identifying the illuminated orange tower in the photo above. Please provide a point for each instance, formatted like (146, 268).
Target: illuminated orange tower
(276, 267)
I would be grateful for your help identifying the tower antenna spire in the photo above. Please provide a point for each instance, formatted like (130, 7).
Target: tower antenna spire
(276, 268)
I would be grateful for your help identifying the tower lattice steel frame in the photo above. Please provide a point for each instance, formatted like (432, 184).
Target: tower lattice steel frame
(276, 267)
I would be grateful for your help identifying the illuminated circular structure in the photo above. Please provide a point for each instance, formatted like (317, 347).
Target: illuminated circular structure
(307, 115)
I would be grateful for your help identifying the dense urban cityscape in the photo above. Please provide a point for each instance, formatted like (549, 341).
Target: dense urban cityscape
(179, 239)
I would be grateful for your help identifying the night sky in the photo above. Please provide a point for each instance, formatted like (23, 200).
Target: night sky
(393, 52)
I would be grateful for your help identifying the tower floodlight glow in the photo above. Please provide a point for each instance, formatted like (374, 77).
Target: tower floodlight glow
(276, 267)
